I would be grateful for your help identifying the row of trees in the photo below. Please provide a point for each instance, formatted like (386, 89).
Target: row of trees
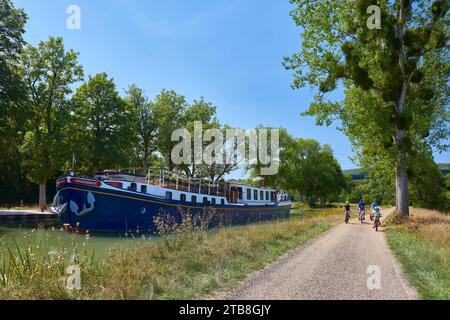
(45, 121)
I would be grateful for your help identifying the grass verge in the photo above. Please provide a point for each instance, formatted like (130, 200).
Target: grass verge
(189, 266)
(422, 244)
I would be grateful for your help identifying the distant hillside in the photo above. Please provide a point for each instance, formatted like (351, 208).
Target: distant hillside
(352, 171)
(444, 167)
(358, 174)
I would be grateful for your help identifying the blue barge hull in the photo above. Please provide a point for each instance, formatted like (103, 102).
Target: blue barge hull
(116, 210)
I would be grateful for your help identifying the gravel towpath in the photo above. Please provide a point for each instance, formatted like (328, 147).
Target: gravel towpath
(344, 263)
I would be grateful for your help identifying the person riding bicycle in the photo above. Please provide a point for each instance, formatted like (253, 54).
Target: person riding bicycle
(377, 216)
(361, 207)
(346, 209)
(373, 206)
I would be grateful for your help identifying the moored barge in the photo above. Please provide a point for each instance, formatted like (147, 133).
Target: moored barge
(122, 202)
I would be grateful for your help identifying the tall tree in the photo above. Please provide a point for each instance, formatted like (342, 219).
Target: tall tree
(12, 21)
(168, 108)
(12, 107)
(393, 65)
(205, 113)
(103, 129)
(145, 125)
(48, 71)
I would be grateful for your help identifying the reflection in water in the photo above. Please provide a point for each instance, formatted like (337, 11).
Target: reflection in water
(51, 236)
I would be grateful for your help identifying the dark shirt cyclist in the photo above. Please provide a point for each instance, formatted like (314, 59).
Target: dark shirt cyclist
(361, 205)
(347, 207)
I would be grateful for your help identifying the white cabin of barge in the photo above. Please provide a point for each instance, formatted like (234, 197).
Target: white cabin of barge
(174, 186)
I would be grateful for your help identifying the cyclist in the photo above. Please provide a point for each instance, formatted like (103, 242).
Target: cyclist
(373, 206)
(377, 217)
(347, 211)
(362, 209)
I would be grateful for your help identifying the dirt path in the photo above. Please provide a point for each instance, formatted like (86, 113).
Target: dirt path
(336, 265)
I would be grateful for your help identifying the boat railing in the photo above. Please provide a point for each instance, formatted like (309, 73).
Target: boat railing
(173, 180)
(179, 181)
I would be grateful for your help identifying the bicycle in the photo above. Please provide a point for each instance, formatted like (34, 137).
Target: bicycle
(362, 215)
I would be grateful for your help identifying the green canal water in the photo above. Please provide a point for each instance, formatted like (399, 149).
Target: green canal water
(50, 236)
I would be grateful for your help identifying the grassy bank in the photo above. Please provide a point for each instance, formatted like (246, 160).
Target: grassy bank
(422, 244)
(188, 266)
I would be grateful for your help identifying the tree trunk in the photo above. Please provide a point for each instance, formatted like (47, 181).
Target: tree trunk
(42, 197)
(401, 181)
(402, 191)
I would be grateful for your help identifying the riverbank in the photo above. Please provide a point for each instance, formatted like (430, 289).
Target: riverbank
(26, 215)
(188, 266)
(422, 245)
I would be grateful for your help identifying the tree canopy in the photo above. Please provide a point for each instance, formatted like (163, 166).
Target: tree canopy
(396, 96)
(307, 170)
(102, 124)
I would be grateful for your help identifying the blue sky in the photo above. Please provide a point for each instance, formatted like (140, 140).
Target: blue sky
(228, 51)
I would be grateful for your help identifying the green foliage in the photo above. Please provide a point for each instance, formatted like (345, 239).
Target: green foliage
(447, 181)
(145, 126)
(306, 169)
(168, 108)
(49, 71)
(12, 21)
(12, 111)
(205, 112)
(427, 188)
(101, 128)
(375, 188)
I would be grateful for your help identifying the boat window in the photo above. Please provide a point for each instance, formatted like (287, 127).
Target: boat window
(133, 186)
(222, 201)
(193, 199)
(213, 201)
(168, 195)
(143, 189)
(182, 197)
(205, 200)
(255, 194)
(267, 195)
(261, 195)
(249, 194)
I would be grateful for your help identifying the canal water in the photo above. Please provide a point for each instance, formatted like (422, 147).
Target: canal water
(51, 235)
